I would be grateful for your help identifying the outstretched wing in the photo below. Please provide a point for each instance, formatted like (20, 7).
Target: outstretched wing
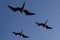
(47, 27)
(39, 24)
(15, 33)
(24, 36)
(27, 12)
(14, 9)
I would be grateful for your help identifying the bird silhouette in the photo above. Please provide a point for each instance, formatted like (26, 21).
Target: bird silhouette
(44, 25)
(21, 9)
(20, 34)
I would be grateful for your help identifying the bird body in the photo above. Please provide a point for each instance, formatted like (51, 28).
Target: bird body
(21, 9)
(20, 34)
(44, 25)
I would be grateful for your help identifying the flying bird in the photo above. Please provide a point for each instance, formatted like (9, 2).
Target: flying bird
(44, 25)
(21, 9)
(21, 34)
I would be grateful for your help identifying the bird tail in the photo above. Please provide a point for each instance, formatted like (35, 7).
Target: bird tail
(21, 31)
(23, 5)
(46, 21)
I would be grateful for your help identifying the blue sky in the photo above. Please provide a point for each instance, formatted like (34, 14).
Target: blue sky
(15, 21)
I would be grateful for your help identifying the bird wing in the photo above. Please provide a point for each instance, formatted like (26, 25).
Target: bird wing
(14, 9)
(27, 12)
(39, 24)
(24, 36)
(47, 27)
(15, 33)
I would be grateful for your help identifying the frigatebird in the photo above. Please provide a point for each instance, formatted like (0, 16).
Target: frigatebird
(44, 25)
(21, 34)
(21, 9)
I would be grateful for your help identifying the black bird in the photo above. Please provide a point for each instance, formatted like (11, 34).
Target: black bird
(20, 34)
(44, 25)
(21, 9)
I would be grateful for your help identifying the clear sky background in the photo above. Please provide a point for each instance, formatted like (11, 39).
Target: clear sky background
(15, 21)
